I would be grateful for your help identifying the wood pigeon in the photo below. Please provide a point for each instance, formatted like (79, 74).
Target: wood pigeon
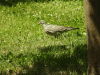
(55, 30)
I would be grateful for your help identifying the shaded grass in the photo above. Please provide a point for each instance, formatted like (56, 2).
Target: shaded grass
(26, 49)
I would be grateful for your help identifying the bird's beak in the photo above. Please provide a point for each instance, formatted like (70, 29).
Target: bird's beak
(39, 23)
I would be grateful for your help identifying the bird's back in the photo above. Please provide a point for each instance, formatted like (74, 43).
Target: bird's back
(55, 28)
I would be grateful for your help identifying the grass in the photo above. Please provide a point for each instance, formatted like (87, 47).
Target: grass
(25, 49)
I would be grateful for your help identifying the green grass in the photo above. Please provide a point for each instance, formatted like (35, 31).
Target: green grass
(26, 49)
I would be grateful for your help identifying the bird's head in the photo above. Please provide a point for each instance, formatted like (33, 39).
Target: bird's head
(42, 22)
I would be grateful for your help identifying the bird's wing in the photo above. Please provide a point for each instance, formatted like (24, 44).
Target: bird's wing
(53, 28)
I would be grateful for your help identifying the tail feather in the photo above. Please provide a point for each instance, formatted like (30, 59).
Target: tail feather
(71, 28)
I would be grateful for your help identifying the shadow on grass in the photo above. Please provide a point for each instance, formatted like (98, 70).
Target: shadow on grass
(46, 63)
(11, 3)
(51, 48)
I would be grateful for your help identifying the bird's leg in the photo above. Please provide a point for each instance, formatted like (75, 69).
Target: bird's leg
(56, 36)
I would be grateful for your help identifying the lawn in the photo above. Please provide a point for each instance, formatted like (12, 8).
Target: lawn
(25, 49)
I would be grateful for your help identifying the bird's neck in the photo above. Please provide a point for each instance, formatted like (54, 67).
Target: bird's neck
(43, 25)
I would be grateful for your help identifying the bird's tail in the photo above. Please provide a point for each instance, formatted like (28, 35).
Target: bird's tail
(71, 28)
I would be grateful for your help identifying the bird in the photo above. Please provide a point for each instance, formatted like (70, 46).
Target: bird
(55, 30)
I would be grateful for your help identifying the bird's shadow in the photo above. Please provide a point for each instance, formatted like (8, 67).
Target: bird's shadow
(50, 48)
